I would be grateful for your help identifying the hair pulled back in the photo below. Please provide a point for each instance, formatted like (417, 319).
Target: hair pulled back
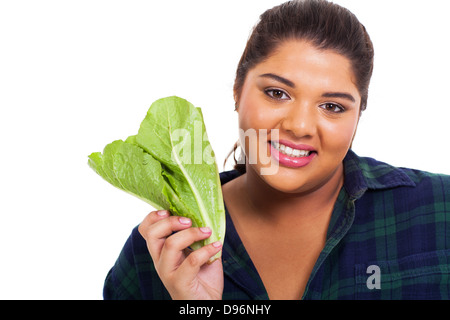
(326, 25)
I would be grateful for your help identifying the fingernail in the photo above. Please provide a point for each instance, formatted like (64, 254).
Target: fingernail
(205, 230)
(162, 213)
(217, 244)
(184, 220)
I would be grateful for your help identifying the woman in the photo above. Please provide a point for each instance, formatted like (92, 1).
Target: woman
(328, 224)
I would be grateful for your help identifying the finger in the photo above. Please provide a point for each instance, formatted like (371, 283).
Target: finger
(192, 264)
(150, 219)
(159, 232)
(174, 250)
(157, 229)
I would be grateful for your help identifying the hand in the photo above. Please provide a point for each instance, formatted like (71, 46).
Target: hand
(185, 273)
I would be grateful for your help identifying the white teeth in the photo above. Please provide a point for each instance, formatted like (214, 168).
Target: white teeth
(289, 151)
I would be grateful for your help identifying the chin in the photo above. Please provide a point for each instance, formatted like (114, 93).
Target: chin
(298, 181)
(286, 180)
(289, 186)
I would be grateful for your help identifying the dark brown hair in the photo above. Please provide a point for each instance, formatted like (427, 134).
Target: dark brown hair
(326, 25)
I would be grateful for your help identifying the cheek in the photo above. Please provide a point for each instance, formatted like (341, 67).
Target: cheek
(256, 122)
(254, 111)
(338, 136)
(254, 116)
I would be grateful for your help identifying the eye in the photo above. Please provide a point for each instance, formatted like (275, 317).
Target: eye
(332, 107)
(277, 94)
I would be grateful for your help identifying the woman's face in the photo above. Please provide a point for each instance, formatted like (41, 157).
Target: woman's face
(307, 102)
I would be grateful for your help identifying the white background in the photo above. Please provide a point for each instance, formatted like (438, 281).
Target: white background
(76, 75)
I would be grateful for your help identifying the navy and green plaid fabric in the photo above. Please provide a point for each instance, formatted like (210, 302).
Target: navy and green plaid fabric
(389, 238)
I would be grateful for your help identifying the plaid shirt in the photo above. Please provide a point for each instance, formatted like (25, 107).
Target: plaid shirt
(388, 238)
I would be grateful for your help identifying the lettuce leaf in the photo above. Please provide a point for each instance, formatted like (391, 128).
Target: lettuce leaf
(170, 165)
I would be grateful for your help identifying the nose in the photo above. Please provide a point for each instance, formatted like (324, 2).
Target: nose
(300, 120)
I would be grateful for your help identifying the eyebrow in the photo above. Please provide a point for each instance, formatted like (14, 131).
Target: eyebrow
(343, 95)
(289, 83)
(285, 81)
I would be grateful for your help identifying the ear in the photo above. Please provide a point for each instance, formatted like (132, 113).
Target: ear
(237, 97)
(356, 129)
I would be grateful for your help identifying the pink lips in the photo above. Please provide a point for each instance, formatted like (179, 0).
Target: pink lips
(293, 162)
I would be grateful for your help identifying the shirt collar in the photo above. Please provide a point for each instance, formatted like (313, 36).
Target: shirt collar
(362, 173)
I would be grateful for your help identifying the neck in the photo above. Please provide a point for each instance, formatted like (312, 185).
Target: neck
(274, 204)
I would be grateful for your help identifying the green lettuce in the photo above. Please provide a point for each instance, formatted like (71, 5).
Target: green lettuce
(170, 165)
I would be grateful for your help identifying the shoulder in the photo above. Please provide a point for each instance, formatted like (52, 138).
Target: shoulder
(227, 176)
(373, 174)
(133, 276)
(428, 179)
(406, 211)
(430, 196)
(412, 202)
(405, 197)
(418, 180)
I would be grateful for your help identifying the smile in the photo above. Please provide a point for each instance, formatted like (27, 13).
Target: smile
(291, 152)
(290, 155)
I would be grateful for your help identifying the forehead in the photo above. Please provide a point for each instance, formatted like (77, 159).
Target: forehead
(304, 64)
